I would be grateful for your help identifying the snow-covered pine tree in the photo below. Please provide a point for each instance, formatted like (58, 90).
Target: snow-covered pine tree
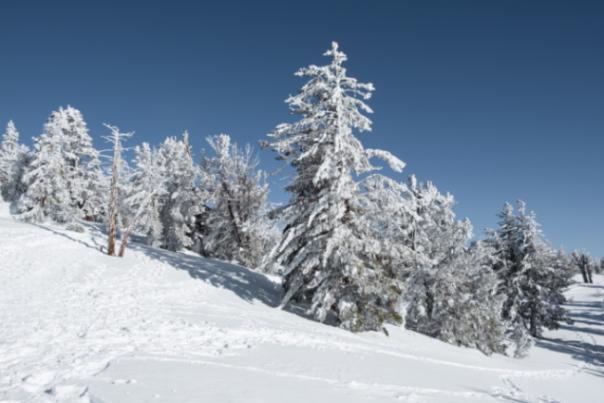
(238, 222)
(147, 187)
(88, 185)
(327, 250)
(450, 290)
(531, 279)
(13, 163)
(182, 199)
(47, 181)
(65, 177)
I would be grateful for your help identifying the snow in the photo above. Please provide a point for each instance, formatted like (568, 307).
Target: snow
(157, 326)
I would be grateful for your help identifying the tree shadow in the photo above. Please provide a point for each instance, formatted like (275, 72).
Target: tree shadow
(65, 234)
(589, 322)
(245, 283)
(581, 350)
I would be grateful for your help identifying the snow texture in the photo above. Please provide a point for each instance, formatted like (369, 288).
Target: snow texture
(79, 326)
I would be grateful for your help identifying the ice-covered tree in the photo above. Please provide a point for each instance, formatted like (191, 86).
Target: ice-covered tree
(13, 162)
(181, 200)
(531, 279)
(144, 195)
(48, 193)
(239, 228)
(87, 183)
(450, 290)
(64, 176)
(327, 250)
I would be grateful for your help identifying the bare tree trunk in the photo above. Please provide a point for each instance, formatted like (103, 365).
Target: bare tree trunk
(584, 274)
(589, 278)
(533, 325)
(115, 138)
(124, 243)
(113, 205)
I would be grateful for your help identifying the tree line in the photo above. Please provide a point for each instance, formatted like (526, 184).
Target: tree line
(351, 243)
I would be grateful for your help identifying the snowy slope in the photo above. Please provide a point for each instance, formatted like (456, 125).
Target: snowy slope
(156, 326)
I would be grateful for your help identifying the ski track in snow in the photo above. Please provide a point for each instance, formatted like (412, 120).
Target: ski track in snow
(68, 311)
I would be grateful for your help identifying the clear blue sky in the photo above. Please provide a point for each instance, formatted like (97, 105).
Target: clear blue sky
(493, 101)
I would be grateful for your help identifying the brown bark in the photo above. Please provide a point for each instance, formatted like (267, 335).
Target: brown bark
(113, 200)
(124, 243)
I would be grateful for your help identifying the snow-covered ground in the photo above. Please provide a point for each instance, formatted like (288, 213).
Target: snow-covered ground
(156, 326)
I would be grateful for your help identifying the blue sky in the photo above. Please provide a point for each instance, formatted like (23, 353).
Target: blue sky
(493, 101)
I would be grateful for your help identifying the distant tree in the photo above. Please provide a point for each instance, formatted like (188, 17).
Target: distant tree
(238, 222)
(64, 180)
(531, 279)
(181, 200)
(584, 264)
(13, 163)
(47, 181)
(327, 250)
(146, 190)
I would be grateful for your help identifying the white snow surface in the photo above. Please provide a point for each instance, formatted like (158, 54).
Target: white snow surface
(157, 326)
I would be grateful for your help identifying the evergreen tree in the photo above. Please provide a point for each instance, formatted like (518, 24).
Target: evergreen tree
(64, 181)
(147, 187)
(181, 198)
(449, 290)
(327, 250)
(531, 278)
(13, 163)
(48, 192)
(238, 222)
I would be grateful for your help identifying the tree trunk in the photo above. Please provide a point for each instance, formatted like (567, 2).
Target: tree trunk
(533, 325)
(584, 274)
(113, 200)
(589, 278)
(112, 222)
(124, 243)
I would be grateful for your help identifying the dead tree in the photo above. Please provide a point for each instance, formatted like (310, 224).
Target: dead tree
(116, 139)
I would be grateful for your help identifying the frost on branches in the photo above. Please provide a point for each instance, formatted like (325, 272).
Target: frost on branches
(64, 180)
(13, 162)
(238, 226)
(146, 188)
(180, 201)
(532, 280)
(328, 256)
(448, 291)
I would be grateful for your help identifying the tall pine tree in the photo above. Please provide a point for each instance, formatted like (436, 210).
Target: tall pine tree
(327, 251)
